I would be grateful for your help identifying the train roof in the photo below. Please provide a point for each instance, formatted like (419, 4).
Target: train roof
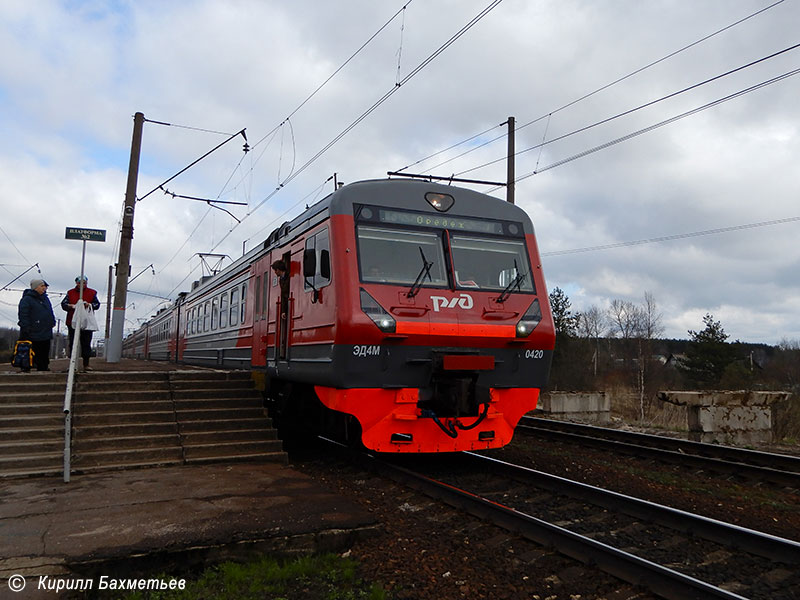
(396, 193)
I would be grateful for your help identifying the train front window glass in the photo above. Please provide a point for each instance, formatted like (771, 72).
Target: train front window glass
(393, 256)
(490, 264)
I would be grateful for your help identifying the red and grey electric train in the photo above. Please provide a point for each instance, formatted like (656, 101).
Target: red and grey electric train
(416, 316)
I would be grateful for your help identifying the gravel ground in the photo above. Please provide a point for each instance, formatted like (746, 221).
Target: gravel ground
(429, 551)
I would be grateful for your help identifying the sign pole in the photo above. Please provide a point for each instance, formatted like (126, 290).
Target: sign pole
(83, 234)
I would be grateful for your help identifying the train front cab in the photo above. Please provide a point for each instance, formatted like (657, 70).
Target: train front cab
(443, 334)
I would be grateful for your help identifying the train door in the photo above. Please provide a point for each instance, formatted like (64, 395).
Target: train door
(284, 307)
(260, 284)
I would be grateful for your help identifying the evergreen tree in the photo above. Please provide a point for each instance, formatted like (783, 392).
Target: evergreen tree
(566, 323)
(708, 354)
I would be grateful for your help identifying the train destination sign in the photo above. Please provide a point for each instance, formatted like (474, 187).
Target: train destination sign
(82, 233)
(433, 220)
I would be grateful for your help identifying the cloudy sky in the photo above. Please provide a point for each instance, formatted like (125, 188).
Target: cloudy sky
(700, 211)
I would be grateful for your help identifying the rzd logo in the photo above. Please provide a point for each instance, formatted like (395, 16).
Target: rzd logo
(463, 301)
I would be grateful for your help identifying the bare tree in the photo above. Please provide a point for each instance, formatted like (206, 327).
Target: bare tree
(625, 318)
(591, 325)
(650, 329)
(651, 318)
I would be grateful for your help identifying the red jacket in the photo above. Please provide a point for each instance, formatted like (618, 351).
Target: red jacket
(89, 295)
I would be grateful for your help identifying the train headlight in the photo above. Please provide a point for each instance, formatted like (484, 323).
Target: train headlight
(441, 202)
(375, 311)
(529, 320)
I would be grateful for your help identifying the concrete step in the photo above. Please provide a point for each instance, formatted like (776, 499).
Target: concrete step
(198, 438)
(35, 460)
(121, 395)
(207, 426)
(8, 473)
(133, 419)
(126, 418)
(105, 406)
(213, 413)
(32, 378)
(177, 376)
(231, 449)
(30, 422)
(276, 457)
(227, 392)
(132, 456)
(112, 443)
(32, 408)
(33, 434)
(10, 391)
(93, 387)
(219, 403)
(56, 397)
(29, 446)
(122, 430)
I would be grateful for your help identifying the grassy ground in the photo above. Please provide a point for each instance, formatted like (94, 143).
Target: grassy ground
(328, 577)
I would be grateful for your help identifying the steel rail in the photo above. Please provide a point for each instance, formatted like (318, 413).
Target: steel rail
(729, 460)
(744, 539)
(658, 579)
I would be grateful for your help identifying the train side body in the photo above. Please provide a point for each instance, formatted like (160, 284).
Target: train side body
(418, 309)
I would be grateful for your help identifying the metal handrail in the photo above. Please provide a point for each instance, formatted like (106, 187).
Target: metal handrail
(76, 325)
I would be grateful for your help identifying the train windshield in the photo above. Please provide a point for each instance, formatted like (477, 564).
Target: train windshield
(396, 256)
(491, 263)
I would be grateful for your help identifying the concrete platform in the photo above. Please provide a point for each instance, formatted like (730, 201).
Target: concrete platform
(119, 523)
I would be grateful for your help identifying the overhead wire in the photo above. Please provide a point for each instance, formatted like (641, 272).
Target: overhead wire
(274, 131)
(336, 72)
(637, 108)
(660, 124)
(667, 238)
(586, 96)
(15, 246)
(371, 109)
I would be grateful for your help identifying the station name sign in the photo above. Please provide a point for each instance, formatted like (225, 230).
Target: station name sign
(82, 233)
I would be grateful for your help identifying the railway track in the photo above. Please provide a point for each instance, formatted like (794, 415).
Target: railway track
(673, 554)
(777, 469)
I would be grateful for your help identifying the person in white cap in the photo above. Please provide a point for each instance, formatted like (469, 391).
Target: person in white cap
(69, 303)
(36, 322)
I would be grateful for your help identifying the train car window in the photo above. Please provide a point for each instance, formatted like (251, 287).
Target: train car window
(396, 256)
(223, 310)
(234, 316)
(244, 303)
(206, 315)
(257, 306)
(323, 248)
(319, 243)
(265, 296)
(214, 312)
(490, 263)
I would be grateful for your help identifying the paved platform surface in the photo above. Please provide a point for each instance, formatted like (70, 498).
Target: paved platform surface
(119, 522)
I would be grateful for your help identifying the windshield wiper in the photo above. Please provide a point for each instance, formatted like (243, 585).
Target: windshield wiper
(517, 281)
(425, 270)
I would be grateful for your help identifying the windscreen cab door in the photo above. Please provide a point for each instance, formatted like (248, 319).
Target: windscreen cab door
(313, 274)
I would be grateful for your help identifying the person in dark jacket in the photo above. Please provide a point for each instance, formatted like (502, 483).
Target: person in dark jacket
(36, 322)
(69, 303)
